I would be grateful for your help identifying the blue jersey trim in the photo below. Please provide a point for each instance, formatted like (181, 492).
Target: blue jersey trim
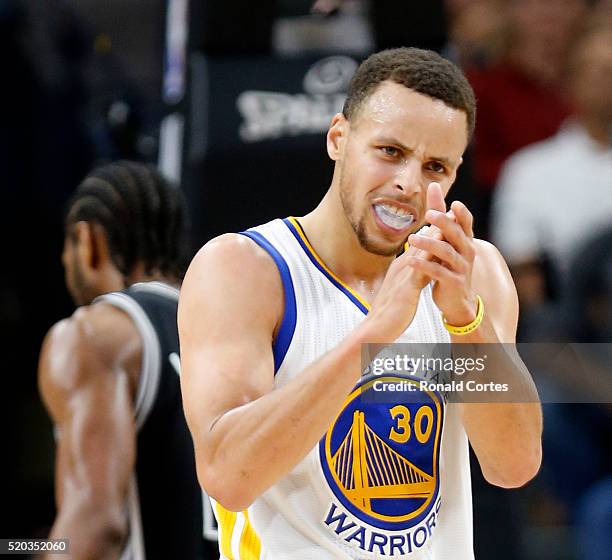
(344, 289)
(287, 328)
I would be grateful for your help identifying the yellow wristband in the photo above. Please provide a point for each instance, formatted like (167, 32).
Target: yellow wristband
(466, 329)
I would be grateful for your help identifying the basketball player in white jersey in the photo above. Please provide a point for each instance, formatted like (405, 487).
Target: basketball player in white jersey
(272, 322)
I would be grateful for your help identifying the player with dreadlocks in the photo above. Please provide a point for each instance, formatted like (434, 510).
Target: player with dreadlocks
(125, 479)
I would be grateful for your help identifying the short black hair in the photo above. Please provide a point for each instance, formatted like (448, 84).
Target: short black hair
(142, 213)
(423, 71)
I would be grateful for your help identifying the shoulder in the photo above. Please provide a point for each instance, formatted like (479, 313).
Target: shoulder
(230, 251)
(236, 260)
(235, 270)
(490, 266)
(95, 337)
(488, 255)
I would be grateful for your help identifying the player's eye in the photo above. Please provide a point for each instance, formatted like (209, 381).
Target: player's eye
(436, 167)
(390, 151)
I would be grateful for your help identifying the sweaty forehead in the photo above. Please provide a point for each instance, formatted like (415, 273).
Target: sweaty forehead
(391, 101)
(395, 110)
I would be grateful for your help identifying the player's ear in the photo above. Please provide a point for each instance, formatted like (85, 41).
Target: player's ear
(84, 243)
(457, 169)
(100, 246)
(336, 135)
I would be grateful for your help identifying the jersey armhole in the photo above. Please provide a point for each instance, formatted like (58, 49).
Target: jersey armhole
(150, 370)
(281, 343)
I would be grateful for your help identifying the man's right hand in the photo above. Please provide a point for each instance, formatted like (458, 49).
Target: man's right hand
(397, 299)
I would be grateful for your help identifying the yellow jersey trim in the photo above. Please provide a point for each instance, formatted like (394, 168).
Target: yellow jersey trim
(343, 285)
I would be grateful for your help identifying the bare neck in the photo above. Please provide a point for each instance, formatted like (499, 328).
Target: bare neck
(139, 275)
(332, 237)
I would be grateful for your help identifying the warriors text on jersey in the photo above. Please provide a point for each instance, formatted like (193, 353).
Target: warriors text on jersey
(389, 479)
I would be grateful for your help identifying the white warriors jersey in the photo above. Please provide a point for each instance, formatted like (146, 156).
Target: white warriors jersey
(389, 479)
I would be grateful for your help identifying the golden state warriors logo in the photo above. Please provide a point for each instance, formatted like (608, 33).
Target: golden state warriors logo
(380, 456)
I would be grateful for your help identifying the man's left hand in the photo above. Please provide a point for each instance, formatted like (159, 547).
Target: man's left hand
(454, 255)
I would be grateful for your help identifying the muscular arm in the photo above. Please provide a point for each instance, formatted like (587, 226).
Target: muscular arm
(506, 437)
(247, 433)
(86, 389)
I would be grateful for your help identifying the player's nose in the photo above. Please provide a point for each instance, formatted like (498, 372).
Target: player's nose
(408, 179)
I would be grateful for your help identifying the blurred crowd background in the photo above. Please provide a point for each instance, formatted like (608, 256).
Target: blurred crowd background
(232, 99)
